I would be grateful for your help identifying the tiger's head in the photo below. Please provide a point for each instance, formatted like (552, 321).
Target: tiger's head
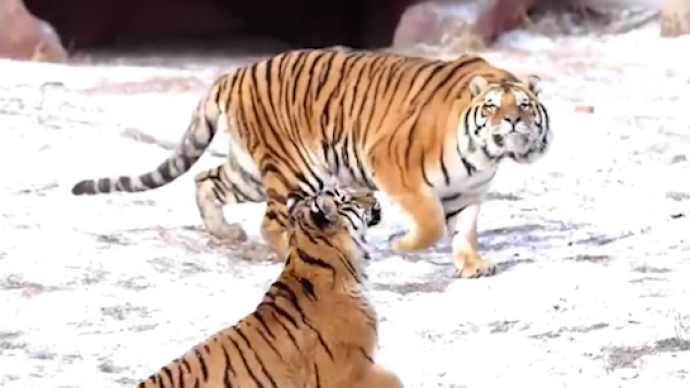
(332, 218)
(507, 119)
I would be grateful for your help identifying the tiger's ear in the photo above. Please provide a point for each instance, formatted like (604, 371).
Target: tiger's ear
(477, 85)
(323, 212)
(534, 84)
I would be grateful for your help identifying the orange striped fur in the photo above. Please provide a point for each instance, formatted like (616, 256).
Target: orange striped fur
(315, 326)
(430, 134)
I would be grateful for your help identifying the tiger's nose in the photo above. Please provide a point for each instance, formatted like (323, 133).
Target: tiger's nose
(512, 119)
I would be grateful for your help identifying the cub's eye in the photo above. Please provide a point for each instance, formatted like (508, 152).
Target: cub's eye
(525, 106)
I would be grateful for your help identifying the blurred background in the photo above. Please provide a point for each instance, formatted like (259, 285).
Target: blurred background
(82, 30)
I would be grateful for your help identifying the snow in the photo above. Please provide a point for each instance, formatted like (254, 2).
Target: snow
(591, 241)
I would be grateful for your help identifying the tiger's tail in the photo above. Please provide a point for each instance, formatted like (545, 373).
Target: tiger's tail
(196, 139)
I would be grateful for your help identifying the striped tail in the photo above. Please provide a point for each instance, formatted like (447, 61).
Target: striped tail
(196, 139)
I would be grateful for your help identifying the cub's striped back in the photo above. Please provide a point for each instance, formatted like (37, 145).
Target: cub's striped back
(314, 327)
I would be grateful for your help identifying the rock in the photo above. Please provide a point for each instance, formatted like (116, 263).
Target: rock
(502, 16)
(420, 23)
(675, 18)
(466, 24)
(462, 24)
(435, 23)
(584, 109)
(295, 23)
(25, 37)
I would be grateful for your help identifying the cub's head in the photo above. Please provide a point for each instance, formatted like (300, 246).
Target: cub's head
(507, 119)
(333, 216)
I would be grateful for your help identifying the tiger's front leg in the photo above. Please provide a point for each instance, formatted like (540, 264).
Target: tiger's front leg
(274, 223)
(465, 244)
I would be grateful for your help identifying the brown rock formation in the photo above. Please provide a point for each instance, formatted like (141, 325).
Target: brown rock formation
(502, 16)
(423, 23)
(23, 36)
(299, 23)
(675, 18)
(362, 24)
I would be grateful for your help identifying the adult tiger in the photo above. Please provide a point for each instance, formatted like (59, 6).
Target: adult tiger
(428, 133)
(315, 326)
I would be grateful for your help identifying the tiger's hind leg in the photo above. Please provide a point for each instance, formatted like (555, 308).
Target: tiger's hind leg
(426, 211)
(220, 186)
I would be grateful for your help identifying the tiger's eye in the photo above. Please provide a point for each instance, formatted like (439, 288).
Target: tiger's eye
(490, 108)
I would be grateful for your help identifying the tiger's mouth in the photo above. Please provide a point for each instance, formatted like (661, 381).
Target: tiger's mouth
(518, 144)
(523, 149)
(514, 140)
(518, 140)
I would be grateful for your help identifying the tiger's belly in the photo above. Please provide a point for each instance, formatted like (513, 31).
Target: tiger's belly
(463, 188)
(352, 180)
(346, 172)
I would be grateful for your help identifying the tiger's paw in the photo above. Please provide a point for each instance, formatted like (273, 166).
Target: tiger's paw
(401, 241)
(393, 238)
(229, 234)
(471, 266)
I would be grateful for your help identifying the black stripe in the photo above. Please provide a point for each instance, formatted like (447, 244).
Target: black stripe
(308, 288)
(168, 374)
(261, 320)
(453, 213)
(245, 363)
(270, 344)
(288, 294)
(229, 370)
(258, 359)
(366, 356)
(202, 364)
(317, 377)
(287, 329)
(186, 364)
(181, 377)
(451, 197)
(308, 259)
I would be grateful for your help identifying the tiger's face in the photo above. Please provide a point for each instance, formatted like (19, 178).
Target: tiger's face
(335, 211)
(508, 120)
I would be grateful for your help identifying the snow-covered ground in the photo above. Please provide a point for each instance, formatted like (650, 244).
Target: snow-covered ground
(593, 241)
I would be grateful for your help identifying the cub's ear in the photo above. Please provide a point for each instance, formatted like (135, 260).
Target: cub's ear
(534, 84)
(477, 85)
(323, 212)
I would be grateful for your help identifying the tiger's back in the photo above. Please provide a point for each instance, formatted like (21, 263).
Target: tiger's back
(315, 326)
(303, 117)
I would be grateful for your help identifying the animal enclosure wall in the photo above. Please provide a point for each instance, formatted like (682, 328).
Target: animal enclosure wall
(300, 23)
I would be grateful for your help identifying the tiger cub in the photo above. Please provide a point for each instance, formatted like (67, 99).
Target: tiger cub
(430, 134)
(315, 326)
